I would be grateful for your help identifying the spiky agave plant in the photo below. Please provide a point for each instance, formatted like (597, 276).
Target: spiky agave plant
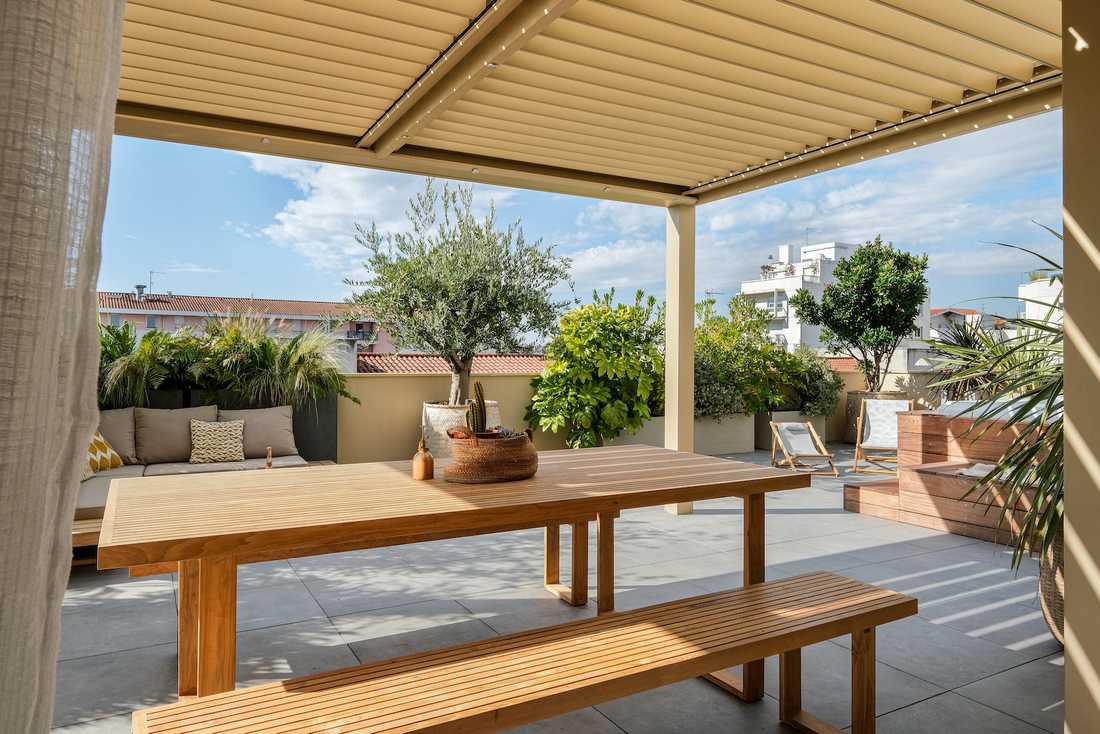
(1019, 380)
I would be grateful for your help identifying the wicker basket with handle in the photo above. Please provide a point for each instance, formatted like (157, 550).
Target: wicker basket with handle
(489, 457)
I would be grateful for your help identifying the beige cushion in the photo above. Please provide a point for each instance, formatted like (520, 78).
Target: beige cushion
(216, 442)
(165, 435)
(93, 492)
(117, 426)
(279, 462)
(265, 427)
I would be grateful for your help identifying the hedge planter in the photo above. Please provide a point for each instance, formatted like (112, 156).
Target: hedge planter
(731, 435)
(855, 399)
(764, 429)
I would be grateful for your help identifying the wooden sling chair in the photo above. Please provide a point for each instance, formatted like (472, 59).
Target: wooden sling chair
(801, 447)
(877, 431)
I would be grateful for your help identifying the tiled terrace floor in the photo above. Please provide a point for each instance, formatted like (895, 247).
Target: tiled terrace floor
(977, 659)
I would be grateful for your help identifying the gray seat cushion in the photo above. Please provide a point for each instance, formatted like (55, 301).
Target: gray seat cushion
(265, 427)
(183, 467)
(93, 491)
(164, 436)
(117, 426)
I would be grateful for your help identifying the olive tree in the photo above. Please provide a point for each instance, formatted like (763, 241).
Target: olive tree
(454, 284)
(871, 307)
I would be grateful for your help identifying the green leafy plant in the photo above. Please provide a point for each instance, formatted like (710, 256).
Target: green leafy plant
(1018, 381)
(601, 372)
(455, 285)
(234, 354)
(870, 308)
(821, 387)
(737, 370)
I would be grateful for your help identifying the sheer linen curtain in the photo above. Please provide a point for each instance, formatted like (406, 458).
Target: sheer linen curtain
(59, 66)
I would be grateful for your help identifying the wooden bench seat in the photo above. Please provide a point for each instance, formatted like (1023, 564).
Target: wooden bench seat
(508, 681)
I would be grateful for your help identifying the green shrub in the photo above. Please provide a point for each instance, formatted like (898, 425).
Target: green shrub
(821, 387)
(603, 368)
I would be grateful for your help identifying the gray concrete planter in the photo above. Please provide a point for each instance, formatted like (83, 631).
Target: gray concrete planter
(438, 417)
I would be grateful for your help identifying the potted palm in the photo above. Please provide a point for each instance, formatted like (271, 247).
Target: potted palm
(1018, 383)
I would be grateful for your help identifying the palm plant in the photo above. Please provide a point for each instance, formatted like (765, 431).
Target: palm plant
(1018, 380)
(956, 337)
(130, 368)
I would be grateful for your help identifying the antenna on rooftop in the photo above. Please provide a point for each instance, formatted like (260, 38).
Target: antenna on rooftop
(151, 274)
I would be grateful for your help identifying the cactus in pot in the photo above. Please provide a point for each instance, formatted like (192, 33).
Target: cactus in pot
(477, 416)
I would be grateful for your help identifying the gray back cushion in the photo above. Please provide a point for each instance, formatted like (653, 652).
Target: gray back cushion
(265, 427)
(117, 426)
(165, 435)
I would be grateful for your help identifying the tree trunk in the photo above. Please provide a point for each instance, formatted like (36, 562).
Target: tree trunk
(460, 383)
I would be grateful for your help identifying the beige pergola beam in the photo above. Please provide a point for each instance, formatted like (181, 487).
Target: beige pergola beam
(525, 19)
(982, 112)
(192, 128)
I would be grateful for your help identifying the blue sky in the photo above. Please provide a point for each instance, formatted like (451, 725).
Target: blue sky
(223, 223)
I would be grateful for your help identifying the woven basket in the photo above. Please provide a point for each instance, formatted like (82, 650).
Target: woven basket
(486, 458)
(1052, 587)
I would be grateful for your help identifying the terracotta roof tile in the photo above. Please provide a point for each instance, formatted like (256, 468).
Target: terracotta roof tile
(937, 311)
(484, 364)
(843, 364)
(217, 304)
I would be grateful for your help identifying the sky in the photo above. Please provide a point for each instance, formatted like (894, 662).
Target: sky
(214, 222)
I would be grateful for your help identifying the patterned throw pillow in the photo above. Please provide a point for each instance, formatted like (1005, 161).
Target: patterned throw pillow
(214, 442)
(101, 456)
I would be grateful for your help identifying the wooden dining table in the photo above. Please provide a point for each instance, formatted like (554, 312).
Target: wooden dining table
(205, 525)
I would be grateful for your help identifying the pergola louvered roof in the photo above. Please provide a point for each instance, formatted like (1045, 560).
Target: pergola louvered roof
(660, 101)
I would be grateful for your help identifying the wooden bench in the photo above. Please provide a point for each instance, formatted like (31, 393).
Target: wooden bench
(512, 680)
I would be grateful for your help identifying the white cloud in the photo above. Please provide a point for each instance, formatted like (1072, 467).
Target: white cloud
(320, 224)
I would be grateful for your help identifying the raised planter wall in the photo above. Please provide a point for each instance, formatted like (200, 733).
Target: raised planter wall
(732, 435)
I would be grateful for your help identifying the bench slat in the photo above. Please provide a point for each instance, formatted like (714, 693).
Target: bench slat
(506, 681)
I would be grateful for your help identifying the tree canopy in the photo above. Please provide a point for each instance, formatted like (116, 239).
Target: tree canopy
(455, 285)
(871, 307)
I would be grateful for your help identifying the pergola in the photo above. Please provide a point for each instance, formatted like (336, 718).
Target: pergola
(671, 103)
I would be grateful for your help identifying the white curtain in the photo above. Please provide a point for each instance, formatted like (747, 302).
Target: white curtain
(59, 62)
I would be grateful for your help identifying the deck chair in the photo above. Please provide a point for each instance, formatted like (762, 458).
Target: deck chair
(877, 431)
(800, 446)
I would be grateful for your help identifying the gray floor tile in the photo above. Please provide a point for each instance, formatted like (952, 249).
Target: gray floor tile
(951, 713)
(1034, 692)
(827, 684)
(110, 725)
(1016, 627)
(113, 684)
(116, 626)
(396, 631)
(290, 651)
(691, 707)
(518, 609)
(939, 654)
(585, 721)
(268, 606)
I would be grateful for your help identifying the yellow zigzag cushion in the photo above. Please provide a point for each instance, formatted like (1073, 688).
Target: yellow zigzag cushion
(101, 456)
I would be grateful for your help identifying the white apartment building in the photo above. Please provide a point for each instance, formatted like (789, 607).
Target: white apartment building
(782, 276)
(1037, 295)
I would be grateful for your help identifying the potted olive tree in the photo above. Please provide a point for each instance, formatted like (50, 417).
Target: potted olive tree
(866, 313)
(455, 285)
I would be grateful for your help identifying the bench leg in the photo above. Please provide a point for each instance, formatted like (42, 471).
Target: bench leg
(605, 563)
(217, 632)
(187, 639)
(749, 686)
(863, 681)
(576, 594)
(790, 697)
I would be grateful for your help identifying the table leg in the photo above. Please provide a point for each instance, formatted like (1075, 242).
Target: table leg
(217, 632)
(605, 563)
(749, 686)
(187, 639)
(863, 681)
(552, 555)
(576, 593)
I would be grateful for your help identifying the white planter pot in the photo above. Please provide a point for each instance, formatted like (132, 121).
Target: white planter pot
(764, 431)
(438, 417)
(729, 436)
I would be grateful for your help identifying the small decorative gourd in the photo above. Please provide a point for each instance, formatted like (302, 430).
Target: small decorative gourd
(423, 463)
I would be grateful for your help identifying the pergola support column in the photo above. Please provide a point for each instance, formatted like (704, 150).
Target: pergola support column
(680, 335)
